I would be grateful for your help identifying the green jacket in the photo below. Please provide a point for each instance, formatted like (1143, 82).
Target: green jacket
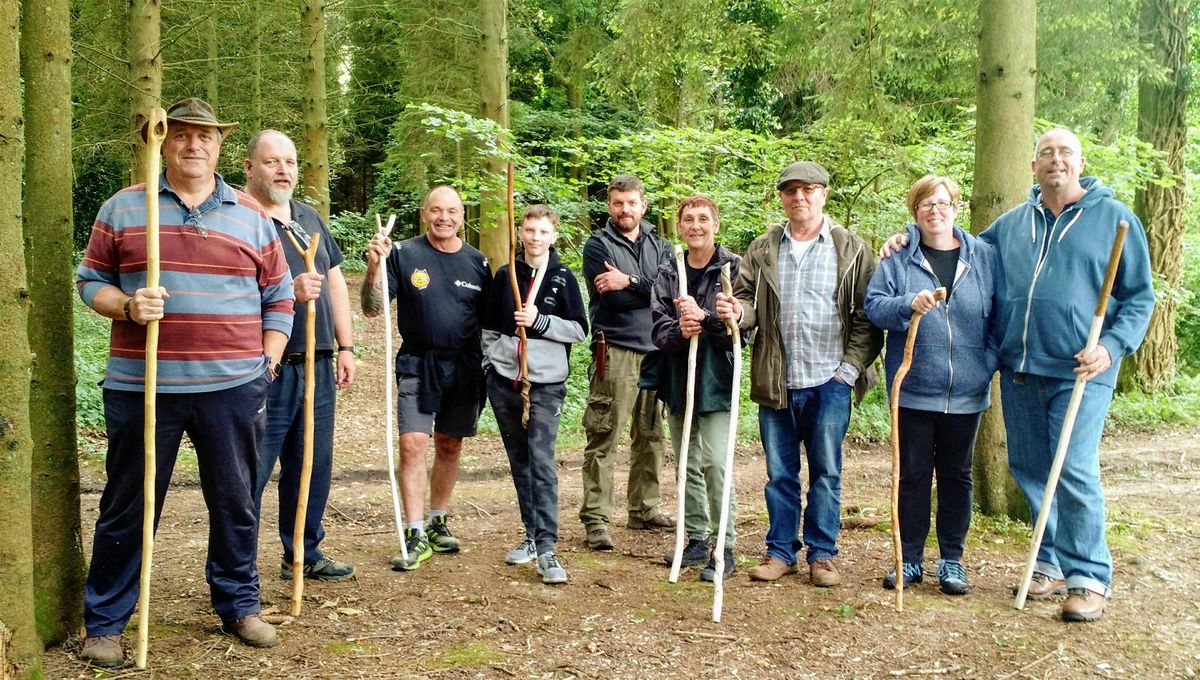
(757, 289)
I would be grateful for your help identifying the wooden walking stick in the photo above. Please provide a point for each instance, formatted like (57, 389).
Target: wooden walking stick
(156, 132)
(522, 347)
(730, 443)
(910, 341)
(1064, 437)
(685, 440)
(310, 349)
(389, 379)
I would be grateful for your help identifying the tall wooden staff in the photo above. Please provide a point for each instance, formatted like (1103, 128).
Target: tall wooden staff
(910, 341)
(389, 379)
(310, 349)
(1064, 437)
(730, 443)
(156, 132)
(689, 404)
(523, 347)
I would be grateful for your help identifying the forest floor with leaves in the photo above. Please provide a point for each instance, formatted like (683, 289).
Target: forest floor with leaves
(472, 616)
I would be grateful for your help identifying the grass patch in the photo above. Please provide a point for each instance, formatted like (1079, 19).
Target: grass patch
(1179, 404)
(472, 655)
(347, 647)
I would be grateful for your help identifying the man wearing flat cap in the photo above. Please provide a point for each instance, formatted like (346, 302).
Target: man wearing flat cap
(225, 312)
(801, 285)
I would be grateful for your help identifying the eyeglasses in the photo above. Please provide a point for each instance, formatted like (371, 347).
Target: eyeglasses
(929, 206)
(1064, 152)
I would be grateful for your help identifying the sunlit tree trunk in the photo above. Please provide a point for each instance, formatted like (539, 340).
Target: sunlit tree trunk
(145, 73)
(493, 90)
(315, 156)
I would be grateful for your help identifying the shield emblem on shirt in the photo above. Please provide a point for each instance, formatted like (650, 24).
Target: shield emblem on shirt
(420, 279)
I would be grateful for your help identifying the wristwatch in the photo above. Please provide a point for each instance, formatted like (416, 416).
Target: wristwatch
(276, 369)
(634, 281)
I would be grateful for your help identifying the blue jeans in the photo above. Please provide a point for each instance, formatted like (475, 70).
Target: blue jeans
(816, 417)
(1074, 545)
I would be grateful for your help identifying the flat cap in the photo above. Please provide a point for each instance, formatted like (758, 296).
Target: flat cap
(803, 171)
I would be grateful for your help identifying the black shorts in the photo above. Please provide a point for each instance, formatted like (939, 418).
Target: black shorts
(457, 415)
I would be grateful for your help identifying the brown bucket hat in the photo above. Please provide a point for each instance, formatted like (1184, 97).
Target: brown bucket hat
(197, 112)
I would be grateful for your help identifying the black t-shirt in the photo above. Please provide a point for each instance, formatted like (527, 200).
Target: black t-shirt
(439, 296)
(694, 275)
(328, 257)
(944, 264)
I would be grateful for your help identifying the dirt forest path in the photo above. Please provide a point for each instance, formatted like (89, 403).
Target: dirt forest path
(471, 616)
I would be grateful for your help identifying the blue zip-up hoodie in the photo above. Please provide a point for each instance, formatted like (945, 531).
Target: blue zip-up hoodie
(956, 348)
(1050, 300)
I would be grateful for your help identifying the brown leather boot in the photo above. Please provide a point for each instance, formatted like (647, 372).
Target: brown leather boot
(1043, 587)
(1083, 605)
(823, 574)
(252, 630)
(103, 651)
(772, 569)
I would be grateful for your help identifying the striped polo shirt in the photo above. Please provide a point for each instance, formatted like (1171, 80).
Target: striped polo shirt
(224, 270)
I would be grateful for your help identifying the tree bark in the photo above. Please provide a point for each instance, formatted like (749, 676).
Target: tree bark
(58, 552)
(493, 96)
(315, 161)
(145, 73)
(213, 65)
(16, 513)
(1005, 87)
(1162, 122)
(256, 117)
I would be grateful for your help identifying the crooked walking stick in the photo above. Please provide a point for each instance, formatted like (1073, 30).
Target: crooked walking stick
(727, 486)
(689, 404)
(156, 132)
(522, 346)
(389, 379)
(310, 349)
(910, 341)
(1064, 437)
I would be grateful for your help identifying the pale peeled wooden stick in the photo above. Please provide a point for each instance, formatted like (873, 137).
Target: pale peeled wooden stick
(731, 442)
(686, 438)
(389, 379)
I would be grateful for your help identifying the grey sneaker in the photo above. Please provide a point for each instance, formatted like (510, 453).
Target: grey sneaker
(551, 570)
(913, 573)
(522, 554)
(952, 578)
(324, 569)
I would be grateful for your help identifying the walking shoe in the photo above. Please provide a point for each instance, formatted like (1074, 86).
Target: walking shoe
(550, 569)
(695, 552)
(418, 548)
(658, 521)
(103, 651)
(952, 578)
(772, 569)
(823, 574)
(1043, 587)
(913, 573)
(598, 539)
(1083, 605)
(252, 630)
(522, 554)
(324, 569)
(440, 538)
(709, 572)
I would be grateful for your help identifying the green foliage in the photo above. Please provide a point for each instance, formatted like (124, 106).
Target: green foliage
(1187, 318)
(91, 356)
(1178, 405)
(352, 231)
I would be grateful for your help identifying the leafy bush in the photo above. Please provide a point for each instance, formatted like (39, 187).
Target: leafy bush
(91, 355)
(1179, 404)
(352, 231)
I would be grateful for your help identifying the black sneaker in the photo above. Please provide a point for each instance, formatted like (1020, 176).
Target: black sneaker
(323, 569)
(695, 552)
(440, 538)
(418, 549)
(913, 573)
(709, 572)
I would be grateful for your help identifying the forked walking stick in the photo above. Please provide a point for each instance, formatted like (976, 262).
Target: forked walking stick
(156, 132)
(522, 346)
(689, 405)
(727, 486)
(310, 348)
(910, 341)
(1064, 437)
(389, 378)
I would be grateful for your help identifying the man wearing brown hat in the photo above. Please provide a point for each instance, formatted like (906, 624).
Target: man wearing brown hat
(225, 306)
(802, 286)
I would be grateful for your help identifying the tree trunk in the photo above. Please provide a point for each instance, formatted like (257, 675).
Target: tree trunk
(213, 65)
(58, 552)
(493, 97)
(1003, 135)
(145, 73)
(1162, 122)
(16, 513)
(256, 117)
(315, 162)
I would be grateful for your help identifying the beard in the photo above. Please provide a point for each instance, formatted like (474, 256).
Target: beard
(275, 194)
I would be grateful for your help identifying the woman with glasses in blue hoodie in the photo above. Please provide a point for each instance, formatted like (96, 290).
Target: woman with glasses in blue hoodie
(947, 388)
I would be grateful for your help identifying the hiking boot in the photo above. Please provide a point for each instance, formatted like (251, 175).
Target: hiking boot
(323, 569)
(522, 554)
(598, 539)
(103, 651)
(772, 569)
(695, 552)
(1083, 605)
(252, 630)
(550, 569)
(709, 572)
(655, 523)
(823, 574)
(440, 538)
(913, 573)
(1044, 587)
(952, 578)
(418, 548)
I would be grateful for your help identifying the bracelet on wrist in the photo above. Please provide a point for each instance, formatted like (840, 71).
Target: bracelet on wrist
(347, 348)
(125, 308)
